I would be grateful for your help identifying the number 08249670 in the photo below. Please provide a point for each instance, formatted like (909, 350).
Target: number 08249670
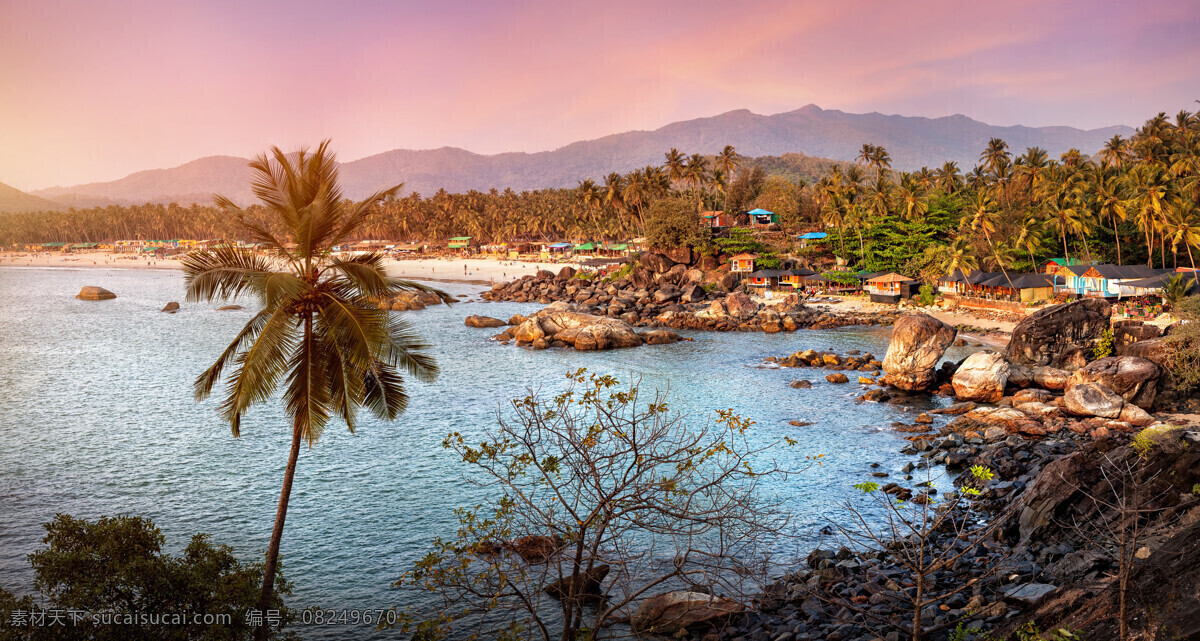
(313, 616)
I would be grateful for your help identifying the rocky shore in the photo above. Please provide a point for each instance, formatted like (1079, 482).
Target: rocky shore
(1074, 500)
(659, 293)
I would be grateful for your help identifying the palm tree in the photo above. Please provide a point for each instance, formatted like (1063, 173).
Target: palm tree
(1109, 197)
(728, 161)
(1148, 192)
(674, 166)
(317, 328)
(1115, 153)
(983, 218)
(1183, 226)
(948, 179)
(1176, 288)
(962, 257)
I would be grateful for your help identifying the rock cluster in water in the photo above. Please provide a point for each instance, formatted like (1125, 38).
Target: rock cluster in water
(92, 292)
(558, 326)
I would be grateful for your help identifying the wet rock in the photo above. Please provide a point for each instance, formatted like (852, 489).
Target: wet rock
(229, 308)
(837, 377)
(801, 384)
(170, 307)
(581, 584)
(92, 292)
(483, 321)
(917, 344)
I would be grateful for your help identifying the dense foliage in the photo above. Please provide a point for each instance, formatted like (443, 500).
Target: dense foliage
(105, 571)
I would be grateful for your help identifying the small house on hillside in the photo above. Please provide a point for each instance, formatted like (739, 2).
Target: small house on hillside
(715, 219)
(762, 217)
(742, 263)
(890, 288)
(813, 236)
(459, 242)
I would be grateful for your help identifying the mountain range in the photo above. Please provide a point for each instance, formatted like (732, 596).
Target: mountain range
(912, 142)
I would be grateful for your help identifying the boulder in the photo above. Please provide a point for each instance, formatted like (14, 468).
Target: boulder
(1057, 483)
(516, 319)
(655, 262)
(581, 331)
(566, 273)
(1019, 375)
(170, 307)
(801, 384)
(1032, 396)
(580, 584)
(1135, 415)
(1134, 378)
(91, 292)
(739, 304)
(1156, 350)
(544, 274)
(1050, 377)
(483, 321)
(918, 342)
(660, 337)
(1057, 334)
(837, 377)
(229, 308)
(982, 377)
(715, 312)
(692, 293)
(536, 548)
(693, 276)
(1093, 399)
(1012, 420)
(681, 612)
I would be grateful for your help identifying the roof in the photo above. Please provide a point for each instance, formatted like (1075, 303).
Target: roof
(461, 238)
(711, 214)
(803, 271)
(1160, 281)
(813, 235)
(767, 273)
(1030, 281)
(891, 277)
(760, 212)
(586, 247)
(620, 247)
(1062, 262)
(744, 257)
(560, 245)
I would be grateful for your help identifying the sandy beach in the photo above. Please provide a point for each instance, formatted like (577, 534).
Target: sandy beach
(482, 271)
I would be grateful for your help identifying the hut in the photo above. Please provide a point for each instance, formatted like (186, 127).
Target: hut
(715, 219)
(767, 278)
(742, 263)
(460, 243)
(795, 277)
(763, 217)
(813, 236)
(889, 288)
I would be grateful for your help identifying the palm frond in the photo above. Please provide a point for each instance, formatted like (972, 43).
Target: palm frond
(308, 398)
(205, 382)
(223, 273)
(260, 366)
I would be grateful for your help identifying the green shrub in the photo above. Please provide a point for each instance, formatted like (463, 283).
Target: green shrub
(925, 296)
(1104, 348)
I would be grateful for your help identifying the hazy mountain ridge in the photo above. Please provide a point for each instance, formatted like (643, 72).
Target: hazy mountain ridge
(13, 199)
(912, 142)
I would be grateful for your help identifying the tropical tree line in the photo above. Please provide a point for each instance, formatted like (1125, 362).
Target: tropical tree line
(1137, 200)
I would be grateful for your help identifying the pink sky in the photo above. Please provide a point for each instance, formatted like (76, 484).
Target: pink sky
(93, 91)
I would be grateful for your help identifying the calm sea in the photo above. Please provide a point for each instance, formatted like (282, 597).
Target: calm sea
(97, 418)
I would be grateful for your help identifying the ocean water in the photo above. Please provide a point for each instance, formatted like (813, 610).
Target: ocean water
(97, 418)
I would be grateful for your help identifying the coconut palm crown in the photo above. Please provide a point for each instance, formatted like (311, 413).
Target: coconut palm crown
(320, 330)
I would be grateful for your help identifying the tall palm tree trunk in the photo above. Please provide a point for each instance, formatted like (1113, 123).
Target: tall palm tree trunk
(1117, 235)
(268, 589)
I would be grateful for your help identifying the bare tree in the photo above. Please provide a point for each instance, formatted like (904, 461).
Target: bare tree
(594, 484)
(926, 538)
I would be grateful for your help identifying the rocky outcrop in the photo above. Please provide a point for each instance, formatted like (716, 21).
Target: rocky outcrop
(556, 324)
(1061, 335)
(406, 301)
(230, 308)
(1134, 379)
(483, 321)
(982, 377)
(170, 307)
(91, 292)
(918, 342)
(678, 612)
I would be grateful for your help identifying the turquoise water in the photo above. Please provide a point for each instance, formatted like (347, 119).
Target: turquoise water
(97, 417)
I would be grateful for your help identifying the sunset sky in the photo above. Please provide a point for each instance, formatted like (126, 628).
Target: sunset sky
(93, 91)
